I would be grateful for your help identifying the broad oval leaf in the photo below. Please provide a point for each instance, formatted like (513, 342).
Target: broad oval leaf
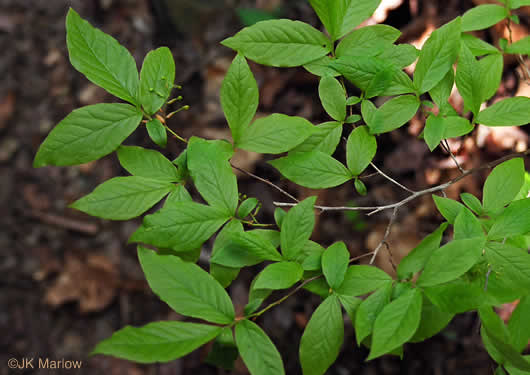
(511, 264)
(335, 263)
(368, 41)
(157, 132)
(122, 198)
(143, 162)
(360, 150)
(181, 227)
(281, 275)
(297, 227)
(281, 43)
(434, 131)
(467, 226)
(242, 249)
(503, 184)
(157, 341)
(451, 261)
(325, 138)
(368, 311)
(333, 97)
(275, 134)
(186, 288)
(257, 350)
(322, 339)
(87, 134)
(212, 174)
(518, 324)
(315, 169)
(513, 221)
(101, 58)
(418, 257)
(437, 56)
(521, 47)
(393, 114)
(397, 323)
(157, 78)
(223, 274)
(357, 11)
(362, 279)
(449, 208)
(482, 17)
(507, 112)
(432, 321)
(239, 96)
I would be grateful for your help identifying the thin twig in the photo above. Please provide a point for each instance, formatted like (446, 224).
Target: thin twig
(434, 189)
(391, 179)
(266, 182)
(446, 147)
(385, 237)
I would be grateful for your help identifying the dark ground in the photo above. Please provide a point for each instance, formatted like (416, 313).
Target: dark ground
(69, 280)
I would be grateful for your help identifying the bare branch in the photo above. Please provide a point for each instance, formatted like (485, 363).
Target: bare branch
(391, 179)
(385, 237)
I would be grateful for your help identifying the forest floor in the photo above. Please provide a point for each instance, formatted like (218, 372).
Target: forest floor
(69, 280)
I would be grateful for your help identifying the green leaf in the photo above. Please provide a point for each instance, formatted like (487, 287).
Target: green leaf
(186, 288)
(516, 4)
(493, 323)
(505, 350)
(477, 46)
(472, 202)
(513, 221)
(401, 55)
(490, 68)
(333, 97)
(350, 304)
(257, 350)
(322, 339)
(335, 263)
(511, 264)
(180, 227)
(451, 261)
(180, 194)
(157, 341)
(368, 41)
(507, 112)
(467, 226)
(456, 126)
(223, 274)
(433, 320)
(281, 43)
(239, 96)
(448, 208)
(360, 150)
(418, 257)
(360, 187)
(143, 162)
(182, 165)
(245, 249)
(281, 275)
(361, 279)
(224, 350)
(101, 58)
(368, 311)
(320, 67)
(396, 324)
(441, 92)
(77, 138)
(311, 256)
(297, 227)
(157, 132)
(482, 17)
(357, 11)
(212, 173)
(157, 78)
(275, 134)
(246, 207)
(434, 131)
(256, 297)
(521, 47)
(330, 13)
(437, 56)
(122, 198)
(325, 138)
(503, 184)
(315, 169)
(519, 326)
(393, 114)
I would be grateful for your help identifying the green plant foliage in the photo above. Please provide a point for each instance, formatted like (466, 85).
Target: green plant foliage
(322, 338)
(474, 261)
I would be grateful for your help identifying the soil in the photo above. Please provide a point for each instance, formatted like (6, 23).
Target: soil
(70, 280)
